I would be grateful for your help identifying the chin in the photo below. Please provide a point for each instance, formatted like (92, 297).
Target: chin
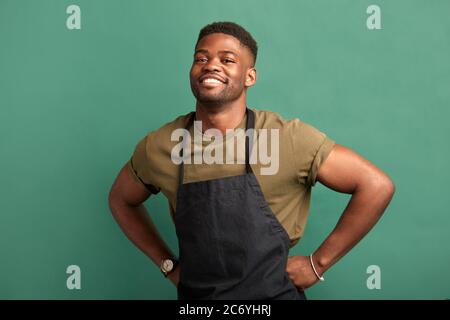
(211, 103)
(210, 99)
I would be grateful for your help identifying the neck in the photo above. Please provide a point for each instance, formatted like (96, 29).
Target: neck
(221, 117)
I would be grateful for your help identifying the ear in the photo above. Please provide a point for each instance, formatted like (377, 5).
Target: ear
(250, 78)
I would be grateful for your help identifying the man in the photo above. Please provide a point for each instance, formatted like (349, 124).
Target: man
(234, 223)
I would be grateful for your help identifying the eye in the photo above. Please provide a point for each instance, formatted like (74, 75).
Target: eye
(228, 61)
(200, 59)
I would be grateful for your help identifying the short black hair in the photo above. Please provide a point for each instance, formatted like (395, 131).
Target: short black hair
(232, 29)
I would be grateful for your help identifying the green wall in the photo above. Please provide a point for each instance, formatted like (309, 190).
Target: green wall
(73, 104)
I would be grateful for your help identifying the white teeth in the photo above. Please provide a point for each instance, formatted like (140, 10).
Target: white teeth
(210, 80)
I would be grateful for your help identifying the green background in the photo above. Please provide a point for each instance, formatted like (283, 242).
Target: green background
(74, 103)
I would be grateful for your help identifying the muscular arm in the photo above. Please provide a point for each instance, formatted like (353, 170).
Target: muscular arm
(126, 200)
(372, 190)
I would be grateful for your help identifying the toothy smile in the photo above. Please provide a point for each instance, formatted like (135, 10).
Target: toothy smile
(211, 80)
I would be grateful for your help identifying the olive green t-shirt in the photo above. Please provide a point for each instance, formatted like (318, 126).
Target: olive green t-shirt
(301, 150)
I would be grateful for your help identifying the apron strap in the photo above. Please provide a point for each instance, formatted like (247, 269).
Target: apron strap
(250, 124)
(249, 139)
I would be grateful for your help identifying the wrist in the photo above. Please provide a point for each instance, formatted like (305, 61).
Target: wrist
(174, 276)
(321, 263)
(317, 271)
(168, 265)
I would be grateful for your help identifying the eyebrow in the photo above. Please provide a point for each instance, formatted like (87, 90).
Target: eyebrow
(222, 51)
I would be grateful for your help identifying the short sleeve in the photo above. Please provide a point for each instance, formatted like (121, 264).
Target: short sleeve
(139, 166)
(311, 148)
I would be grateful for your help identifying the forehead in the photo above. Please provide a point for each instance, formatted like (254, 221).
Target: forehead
(221, 42)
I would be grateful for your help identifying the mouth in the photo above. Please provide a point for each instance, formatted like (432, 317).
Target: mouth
(211, 81)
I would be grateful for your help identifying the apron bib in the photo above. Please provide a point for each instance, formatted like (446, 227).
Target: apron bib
(231, 244)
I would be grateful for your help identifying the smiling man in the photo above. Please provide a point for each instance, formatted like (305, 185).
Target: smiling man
(235, 224)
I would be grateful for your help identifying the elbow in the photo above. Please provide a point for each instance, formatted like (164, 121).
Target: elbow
(391, 187)
(112, 200)
(388, 186)
(384, 187)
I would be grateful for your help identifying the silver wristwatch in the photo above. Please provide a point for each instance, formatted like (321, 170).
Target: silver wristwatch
(168, 265)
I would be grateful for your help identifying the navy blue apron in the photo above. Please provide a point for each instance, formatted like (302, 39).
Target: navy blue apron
(231, 244)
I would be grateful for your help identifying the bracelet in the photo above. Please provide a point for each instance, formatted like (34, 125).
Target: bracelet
(321, 278)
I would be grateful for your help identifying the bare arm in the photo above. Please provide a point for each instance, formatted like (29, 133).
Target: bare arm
(371, 189)
(126, 200)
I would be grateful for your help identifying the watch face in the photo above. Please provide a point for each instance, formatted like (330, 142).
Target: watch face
(167, 265)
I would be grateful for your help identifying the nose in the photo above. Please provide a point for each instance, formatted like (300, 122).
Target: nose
(211, 66)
